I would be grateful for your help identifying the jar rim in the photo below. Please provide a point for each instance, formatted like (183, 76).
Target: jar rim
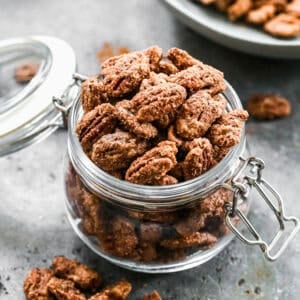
(126, 193)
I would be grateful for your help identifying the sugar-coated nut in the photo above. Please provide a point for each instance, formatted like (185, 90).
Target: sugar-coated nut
(96, 123)
(153, 165)
(155, 55)
(293, 8)
(150, 232)
(35, 284)
(117, 150)
(165, 180)
(261, 14)
(154, 79)
(268, 106)
(198, 160)
(26, 72)
(181, 59)
(198, 113)
(226, 131)
(80, 274)
(167, 67)
(117, 291)
(173, 137)
(153, 296)
(92, 93)
(239, 8)
(64, 289)
(192, 240)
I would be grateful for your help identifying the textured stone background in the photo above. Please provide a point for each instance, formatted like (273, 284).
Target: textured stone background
(33, 224)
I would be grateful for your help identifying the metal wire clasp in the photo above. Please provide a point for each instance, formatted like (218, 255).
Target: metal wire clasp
(241, 186)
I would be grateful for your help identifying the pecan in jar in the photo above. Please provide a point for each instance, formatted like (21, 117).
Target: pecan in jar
(155, 55)
(181, 59)
(268, 107)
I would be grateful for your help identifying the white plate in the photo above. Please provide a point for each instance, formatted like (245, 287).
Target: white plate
(215, 26)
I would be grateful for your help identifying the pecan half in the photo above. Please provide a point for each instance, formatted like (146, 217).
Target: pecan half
(116, 151)
(226, 131)
(153, 165)
(239, 8)
(35, 284)
(167, 67)
(268, 107)
(165, 180)
(261, 14)
(154, 54)
(96, 123)
(293, 8)
(154, 79)
(64, 289)
(181, 59)
(198, 77)
(80, 274)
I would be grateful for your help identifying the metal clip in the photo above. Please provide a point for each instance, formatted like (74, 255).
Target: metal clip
(241, 186)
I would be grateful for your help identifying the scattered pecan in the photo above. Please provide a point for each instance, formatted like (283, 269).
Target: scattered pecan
(192, 240)
(118, 291)
(116, 151)
(198, 160)
(181, 59)
(198, 113)
(64, 289)
(198, 77)
(268, 106)
(92, 93)
(96, 123)
(226, 131)
(35, 284)
(154, 54)
(123, 74)
(283, 25)
(80, 274)
(153, 165)
(153, 296)
(26, 72)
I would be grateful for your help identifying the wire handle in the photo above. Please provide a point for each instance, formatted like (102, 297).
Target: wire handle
(241, 187)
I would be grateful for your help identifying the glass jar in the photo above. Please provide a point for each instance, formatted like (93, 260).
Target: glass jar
(150, 228)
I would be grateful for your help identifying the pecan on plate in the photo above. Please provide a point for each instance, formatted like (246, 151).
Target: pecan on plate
(117, 291)
(152, 296)
(198, 160)
(123, 74)
(293, 8)
(153, 165)
(192, 240)
(157, 102)
(239, 8)
(64, 289)
(283, 25)
(117, 150)
(198, 113)
(92, 93)
(35, 284)
(80, 274)
(26, 72)
(267, 107)
(96, 123)
(181, 59)
(155, 55)
(198, 77)
(226, 131)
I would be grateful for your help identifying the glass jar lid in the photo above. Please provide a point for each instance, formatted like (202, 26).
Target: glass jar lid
(27, 112)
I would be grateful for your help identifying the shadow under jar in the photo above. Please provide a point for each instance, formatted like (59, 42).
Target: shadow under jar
(153, 229)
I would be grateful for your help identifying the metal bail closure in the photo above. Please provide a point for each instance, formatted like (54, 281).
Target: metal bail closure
(241, 186)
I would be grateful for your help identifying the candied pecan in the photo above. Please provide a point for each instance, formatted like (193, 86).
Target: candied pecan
(167, 67)
(130, 122)
(219, 154)
(166, 180)
(116, 151)
(96, 123)
(26, 72)
(117, 291)
(198, 77)
(239, 8)
(181, 59)
(157, 102)
(80, 274)
(123, 74)
(155, 54)
(261, 14)
(64, 289)
(165, 217)
(92, 93)
(198, 113)
(150, 232)
(283, 25)
(226, 131)
(223, 5)
(173, 137)
(192, 240)
(268, 106)
(198, 160)
(146, 252)
(35, 284)
(153, 296)
(153, 165)
(154, 79)
(122, 237)
(177, 171)
(293, 8)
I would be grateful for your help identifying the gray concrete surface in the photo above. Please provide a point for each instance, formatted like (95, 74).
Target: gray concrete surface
(33, 224)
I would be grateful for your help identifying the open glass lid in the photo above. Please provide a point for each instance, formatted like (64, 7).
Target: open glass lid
(32, 71)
